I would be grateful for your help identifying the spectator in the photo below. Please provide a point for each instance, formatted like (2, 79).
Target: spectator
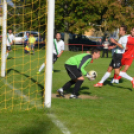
(10, 38)
(105, 47)
(32, 42)
(26, 39)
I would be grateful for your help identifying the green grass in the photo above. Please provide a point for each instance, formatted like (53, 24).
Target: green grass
(111, 113)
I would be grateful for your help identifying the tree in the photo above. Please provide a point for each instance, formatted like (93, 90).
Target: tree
(28, 15)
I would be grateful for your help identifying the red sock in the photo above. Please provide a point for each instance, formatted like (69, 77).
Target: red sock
(119, 77)
(115, 76)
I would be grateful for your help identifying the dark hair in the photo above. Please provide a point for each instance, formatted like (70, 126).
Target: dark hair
(58, 33)
(95, 50)
(10, 29)
(124, 27)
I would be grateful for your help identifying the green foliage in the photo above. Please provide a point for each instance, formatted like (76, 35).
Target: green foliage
(28, 15)
(72, 16)
(78, 16)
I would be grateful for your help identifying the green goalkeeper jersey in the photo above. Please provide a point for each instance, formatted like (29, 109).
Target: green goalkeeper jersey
(81, 61)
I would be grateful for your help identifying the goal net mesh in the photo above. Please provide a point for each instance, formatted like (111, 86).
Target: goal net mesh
(22, 87)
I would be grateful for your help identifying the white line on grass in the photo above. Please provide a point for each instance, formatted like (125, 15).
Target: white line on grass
(54, 119)
(58, 124)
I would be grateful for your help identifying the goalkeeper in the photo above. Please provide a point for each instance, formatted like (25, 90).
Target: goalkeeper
(75, 69)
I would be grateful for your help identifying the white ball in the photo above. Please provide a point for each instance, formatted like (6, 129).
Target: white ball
(92, 74)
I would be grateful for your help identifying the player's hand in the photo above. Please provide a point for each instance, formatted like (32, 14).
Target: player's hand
(110, 47)
(88, 76)
(58, 55)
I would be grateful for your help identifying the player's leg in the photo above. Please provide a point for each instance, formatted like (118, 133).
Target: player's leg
(126, 76)
(32, 46)
(43, 65)
(105, 76)
(126, 67)
(107, 53)
(103, 53)
(54, 59)
(41, 68)
(70, 70)
(7, 53)
(77, 86)
(8, 50)
(126, 63)
(76, 78)
(115, 79)
(116, 65)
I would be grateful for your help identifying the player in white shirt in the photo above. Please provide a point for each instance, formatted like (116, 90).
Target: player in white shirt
(10, 38)
(115, 64)
(58, 48)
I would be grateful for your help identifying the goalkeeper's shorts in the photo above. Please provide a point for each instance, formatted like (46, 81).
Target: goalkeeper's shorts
(73, 71)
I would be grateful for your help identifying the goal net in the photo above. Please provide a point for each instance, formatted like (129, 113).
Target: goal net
(22, 87)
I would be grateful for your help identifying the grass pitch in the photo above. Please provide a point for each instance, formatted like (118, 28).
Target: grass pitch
(111, 112)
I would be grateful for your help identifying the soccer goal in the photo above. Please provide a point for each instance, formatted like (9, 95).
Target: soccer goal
(26, 29)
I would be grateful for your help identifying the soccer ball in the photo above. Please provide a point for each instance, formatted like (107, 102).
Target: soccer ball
(92, 75)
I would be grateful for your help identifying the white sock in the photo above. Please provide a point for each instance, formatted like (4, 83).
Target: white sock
(126, 76)
(52, 67)
(41, 67)
(7, 55)
(60, 89)
(103, 79)
(72, 95)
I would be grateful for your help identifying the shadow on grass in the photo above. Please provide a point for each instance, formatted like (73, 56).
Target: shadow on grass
(81, 89)
(36, 126)
(10, 58)
(27, 76)
(56, 71)
(116, 85)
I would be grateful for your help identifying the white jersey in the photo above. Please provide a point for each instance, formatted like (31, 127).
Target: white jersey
(106, 43)
(10, 38)
(60, 46)
(123, 42)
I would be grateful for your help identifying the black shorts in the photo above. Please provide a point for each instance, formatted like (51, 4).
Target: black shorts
(116, 61)
(54, 58)
(73, 71)
(9, 48)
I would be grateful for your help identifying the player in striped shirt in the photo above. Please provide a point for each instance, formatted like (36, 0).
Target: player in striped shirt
(58, 49)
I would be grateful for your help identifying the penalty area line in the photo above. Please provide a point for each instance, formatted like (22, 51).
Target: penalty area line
(53, 117)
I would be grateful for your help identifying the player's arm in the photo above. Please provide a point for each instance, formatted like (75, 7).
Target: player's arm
(62, 48)
(60, 54)
(111, 47)
(116, 43)
(84, 72)
(28, 41)
(103, 45)
(12, 40)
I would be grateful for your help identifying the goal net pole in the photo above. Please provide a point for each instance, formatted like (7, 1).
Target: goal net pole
(50, 36)
(4, 38)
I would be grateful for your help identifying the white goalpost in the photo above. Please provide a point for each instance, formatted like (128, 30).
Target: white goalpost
(4, 38)
(50, 35)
